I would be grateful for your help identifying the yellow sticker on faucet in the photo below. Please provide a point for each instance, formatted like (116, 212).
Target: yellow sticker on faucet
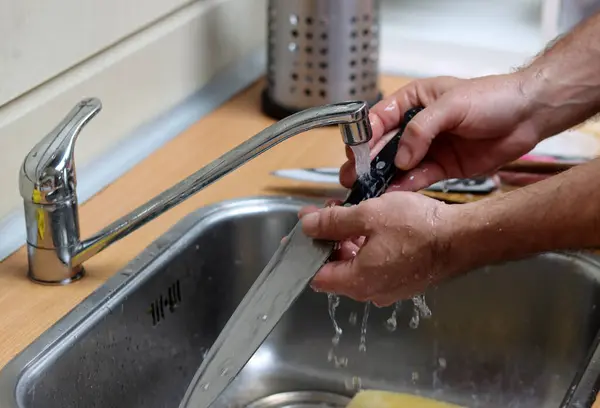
(36, 197)
(41, 222)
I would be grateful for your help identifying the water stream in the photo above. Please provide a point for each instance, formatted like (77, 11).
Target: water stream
(362, 159)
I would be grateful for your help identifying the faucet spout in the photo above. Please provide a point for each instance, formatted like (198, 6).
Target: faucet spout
(56, 252)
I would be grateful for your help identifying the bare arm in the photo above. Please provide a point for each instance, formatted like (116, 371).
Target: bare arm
(563, 82)
(560, 213)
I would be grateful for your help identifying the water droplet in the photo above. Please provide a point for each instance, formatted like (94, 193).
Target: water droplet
(414, 321)
(224, 372)
(442, 362)
(333, 303)
(392, 323)
(264, 317)
(205, 386)
(363, 328)
(353, 318)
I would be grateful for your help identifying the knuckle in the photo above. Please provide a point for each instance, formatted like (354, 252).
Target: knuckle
(415, 129)
(368, 213)
(328, 219)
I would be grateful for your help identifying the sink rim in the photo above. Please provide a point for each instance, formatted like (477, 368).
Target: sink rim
(84, 316)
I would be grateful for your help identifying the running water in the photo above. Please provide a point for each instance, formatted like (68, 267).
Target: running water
(334, 302)
(363, 328)
(392, 323)
(420, 309)
(362, 157)
(339, 362)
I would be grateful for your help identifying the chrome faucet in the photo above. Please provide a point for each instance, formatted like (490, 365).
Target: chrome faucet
(48, 185)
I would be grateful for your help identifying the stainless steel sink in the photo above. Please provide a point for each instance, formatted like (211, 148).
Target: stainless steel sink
(519, 334)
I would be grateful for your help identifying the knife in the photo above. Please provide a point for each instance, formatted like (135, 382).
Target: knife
(330, 175)
(281, 282)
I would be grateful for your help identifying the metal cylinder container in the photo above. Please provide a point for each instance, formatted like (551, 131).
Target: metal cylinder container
(321, 52)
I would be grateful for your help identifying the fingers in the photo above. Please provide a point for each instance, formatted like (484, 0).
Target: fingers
(422, 176)
(336, 223)
(441, 116)
(347, 250)
(312, 208)
(340, 277)
(307, 210)
(348, 174)
(387, 114)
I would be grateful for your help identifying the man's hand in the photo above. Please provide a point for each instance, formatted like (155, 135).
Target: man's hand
(468, 127)
(391, 247)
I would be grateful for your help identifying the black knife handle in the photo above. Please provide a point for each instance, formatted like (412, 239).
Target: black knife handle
(383, 169)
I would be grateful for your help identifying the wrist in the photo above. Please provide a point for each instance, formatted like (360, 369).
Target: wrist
(559, 96)
(464, 239)
(485, 232)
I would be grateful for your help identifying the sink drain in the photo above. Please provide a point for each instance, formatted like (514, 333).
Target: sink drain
(301, 399)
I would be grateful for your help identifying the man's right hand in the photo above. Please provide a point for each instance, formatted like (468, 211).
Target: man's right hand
(468, 127)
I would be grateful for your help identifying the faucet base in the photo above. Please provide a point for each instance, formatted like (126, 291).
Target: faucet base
(52, 266)
(78, 275)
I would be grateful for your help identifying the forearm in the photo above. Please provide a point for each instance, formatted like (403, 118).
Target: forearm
(563, 82)
(560, 213)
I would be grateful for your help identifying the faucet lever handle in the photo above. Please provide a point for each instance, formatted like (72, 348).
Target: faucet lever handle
(48, 171)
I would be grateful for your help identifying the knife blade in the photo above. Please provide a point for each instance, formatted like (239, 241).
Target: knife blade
(282, 281)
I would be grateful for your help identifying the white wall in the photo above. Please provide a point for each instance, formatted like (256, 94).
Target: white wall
(42, 38)
(139, 57)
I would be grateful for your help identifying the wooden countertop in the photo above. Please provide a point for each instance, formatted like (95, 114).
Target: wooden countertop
(29, 309)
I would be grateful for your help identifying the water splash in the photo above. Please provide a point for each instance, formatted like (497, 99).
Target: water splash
(338, 362)
(392, 323)
(414, 320)
(363, 328)
(420, 310)
(421, 306)
(353, 384)
(334, 302)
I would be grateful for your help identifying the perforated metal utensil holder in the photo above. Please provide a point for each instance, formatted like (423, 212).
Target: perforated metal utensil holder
(320, 52)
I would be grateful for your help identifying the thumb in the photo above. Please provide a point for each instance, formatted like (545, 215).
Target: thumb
(335, 223)
(340, 277)
(437, 118)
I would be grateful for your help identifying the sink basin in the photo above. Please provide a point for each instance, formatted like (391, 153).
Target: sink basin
(519, 334)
